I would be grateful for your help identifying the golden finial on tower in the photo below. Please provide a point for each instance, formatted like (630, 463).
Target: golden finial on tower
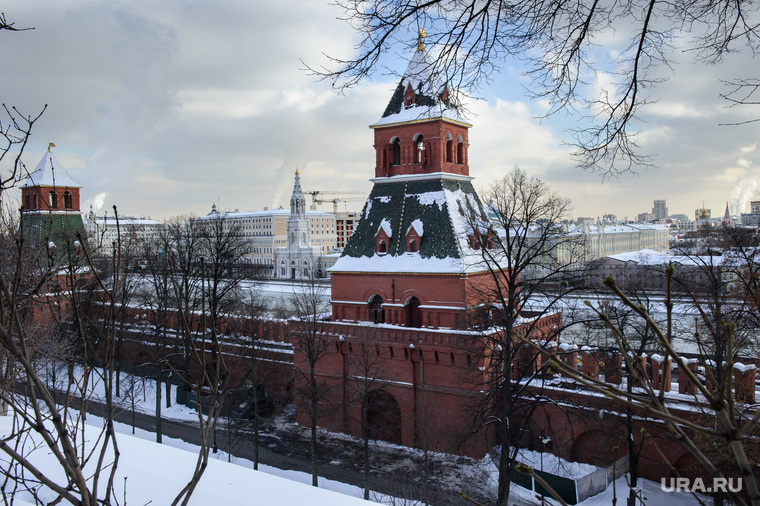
(296, 170)
(420, 44)
(50, 145)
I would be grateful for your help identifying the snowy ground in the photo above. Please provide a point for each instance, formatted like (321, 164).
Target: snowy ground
(150, 473)
(477, 477)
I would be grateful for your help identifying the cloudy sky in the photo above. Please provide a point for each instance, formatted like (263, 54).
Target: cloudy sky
(166, 107)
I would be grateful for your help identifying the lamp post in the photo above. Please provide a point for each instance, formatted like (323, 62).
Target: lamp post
(545, 440)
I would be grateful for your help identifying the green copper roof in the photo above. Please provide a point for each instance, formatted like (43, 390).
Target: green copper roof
(442, 205)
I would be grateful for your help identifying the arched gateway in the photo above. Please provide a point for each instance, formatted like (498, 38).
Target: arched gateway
(383, 417)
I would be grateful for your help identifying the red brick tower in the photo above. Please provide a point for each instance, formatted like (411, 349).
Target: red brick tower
(410, 260)
(50, 212)
(407, 282)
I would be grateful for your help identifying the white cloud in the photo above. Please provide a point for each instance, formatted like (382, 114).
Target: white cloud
(163, 108)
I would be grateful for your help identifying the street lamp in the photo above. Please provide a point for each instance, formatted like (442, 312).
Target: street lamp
(545, 440)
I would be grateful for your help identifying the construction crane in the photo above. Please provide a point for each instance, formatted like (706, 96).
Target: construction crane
(315, 198)
(335, 201)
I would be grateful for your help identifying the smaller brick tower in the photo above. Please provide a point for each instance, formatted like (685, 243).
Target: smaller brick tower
(50, 212)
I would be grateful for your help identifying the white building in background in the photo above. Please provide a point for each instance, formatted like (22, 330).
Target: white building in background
(103, 232)
(752, 219)
(605, 240)
(266, 231)
(298, 258)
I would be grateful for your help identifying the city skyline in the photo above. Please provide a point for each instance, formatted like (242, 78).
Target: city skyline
(164, 110)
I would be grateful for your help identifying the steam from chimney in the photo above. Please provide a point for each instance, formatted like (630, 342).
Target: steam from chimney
(741, 195)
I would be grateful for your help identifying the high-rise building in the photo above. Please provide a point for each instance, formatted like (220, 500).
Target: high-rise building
(660, 210)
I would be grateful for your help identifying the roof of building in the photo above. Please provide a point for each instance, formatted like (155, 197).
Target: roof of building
(49, 172)
(651, 257)
(124, 222)
(441, 205)
(259, 214)
(429, 90)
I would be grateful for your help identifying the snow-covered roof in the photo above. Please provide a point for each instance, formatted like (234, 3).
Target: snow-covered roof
(428, 89)
(444, 204)
(616, 228)
(49, 172)
(259, 214)
(652, 257)
(137, 222)
(417, 226)
(385, 226)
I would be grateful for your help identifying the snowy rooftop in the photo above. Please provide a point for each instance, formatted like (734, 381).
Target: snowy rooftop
(50, 172)
(617, 228)
(651, 257)
(259, 214)
(126, 221)
(428, 88)
(440, 208)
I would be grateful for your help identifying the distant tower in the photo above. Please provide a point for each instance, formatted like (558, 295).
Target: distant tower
(296, 260)
(660, 210)
(702, 217)
(726, 217)
(50, 212)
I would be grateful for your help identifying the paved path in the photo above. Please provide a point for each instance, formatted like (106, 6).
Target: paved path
(270, 456)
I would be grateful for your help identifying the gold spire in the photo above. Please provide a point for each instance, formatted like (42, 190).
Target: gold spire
(50, 145)
(296, 170)
(420, 44)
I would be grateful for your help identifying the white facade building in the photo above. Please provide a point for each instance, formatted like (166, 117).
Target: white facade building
(605, 240)
(266, 231)
(103, 232)
(298, 258)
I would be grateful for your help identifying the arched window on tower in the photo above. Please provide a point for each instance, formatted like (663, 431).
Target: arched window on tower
(53, 199)
(283, 270)
(396, 146)
(419, 149)
(376, 312)
(306, 269)
(413, 313)
(460, 150)
(449, 148)
(67, 200)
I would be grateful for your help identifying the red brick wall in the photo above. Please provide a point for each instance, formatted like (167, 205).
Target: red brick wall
(436, 293)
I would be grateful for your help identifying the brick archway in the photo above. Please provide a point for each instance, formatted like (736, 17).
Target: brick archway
(596, 447)
(383, 417)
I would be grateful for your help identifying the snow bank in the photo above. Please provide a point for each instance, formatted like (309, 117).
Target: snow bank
(142, 478)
